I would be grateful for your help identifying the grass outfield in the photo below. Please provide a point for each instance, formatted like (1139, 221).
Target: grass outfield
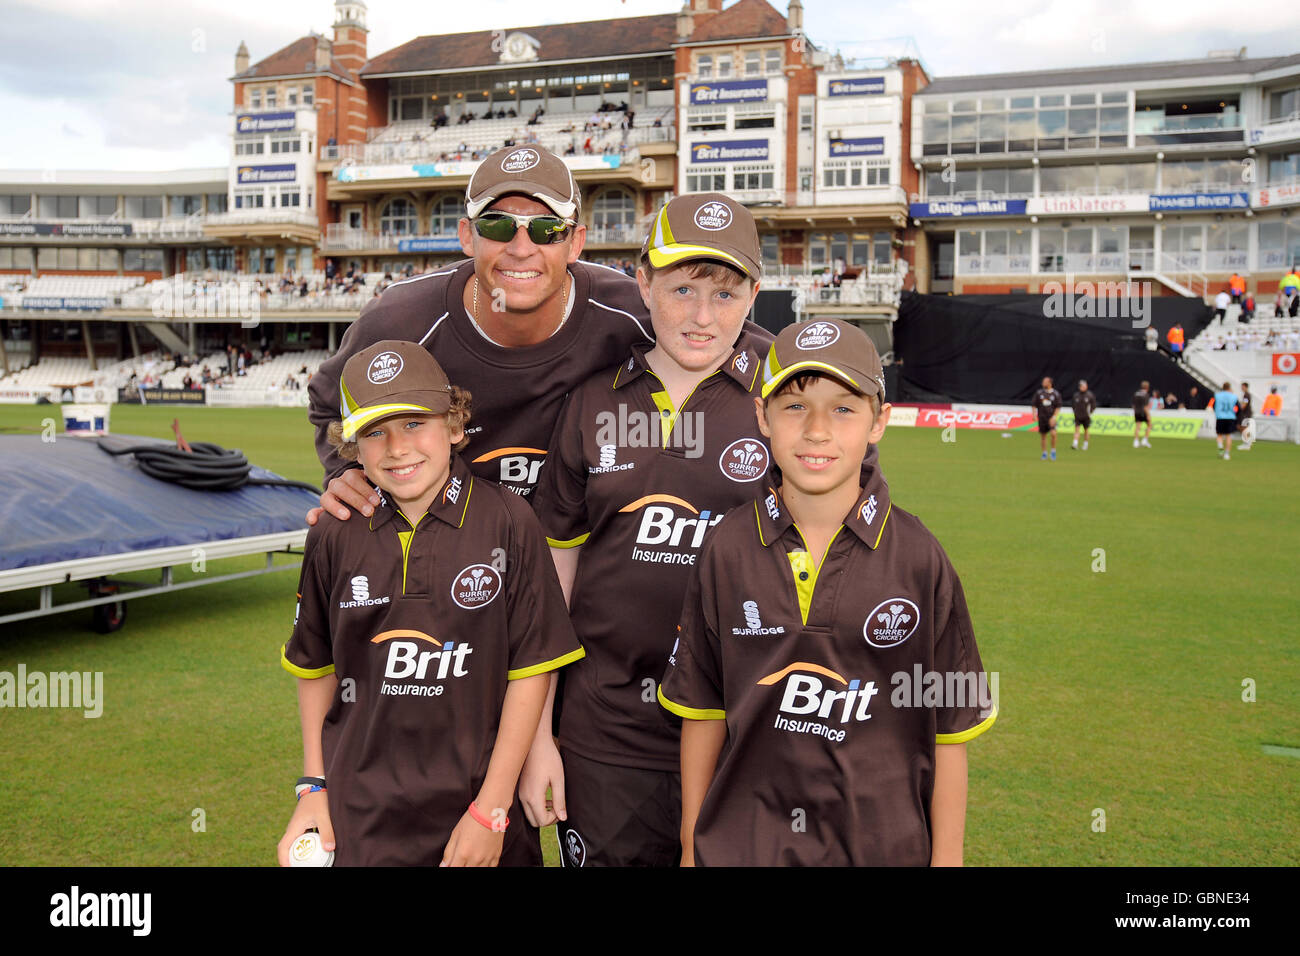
(1120, 691)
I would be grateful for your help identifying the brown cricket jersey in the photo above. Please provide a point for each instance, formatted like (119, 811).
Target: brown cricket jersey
(517, 392)
(424, 627)
(639, 496)
(834, 683)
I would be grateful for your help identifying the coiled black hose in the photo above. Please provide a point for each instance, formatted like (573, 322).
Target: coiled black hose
(207, 467)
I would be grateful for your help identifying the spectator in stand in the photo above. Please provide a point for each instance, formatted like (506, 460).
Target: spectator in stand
(1157, 403)
(1194, 396)
(1236, 287)
(586, 147)
(1171, 402)
(1152, 337)
(1273, 403)
(1248, 307)
(1176, 337)
(1290, 289)
(1221, 302)
(1279, 305)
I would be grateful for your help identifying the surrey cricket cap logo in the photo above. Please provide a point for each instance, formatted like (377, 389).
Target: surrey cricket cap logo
(891, 623)
(520, 161)
(713, 216)
(384, 368)
(745, 459)
(817, 336)
(476, 586)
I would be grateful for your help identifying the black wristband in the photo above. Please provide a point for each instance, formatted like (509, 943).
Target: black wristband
(310, 781)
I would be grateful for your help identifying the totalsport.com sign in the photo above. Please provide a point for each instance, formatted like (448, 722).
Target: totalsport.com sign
(1119, 423)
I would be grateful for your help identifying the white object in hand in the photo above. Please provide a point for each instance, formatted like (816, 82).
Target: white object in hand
(308, 850)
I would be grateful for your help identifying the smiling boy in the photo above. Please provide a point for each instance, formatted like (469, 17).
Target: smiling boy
(423, 639)
(646, 457)
(806, 609)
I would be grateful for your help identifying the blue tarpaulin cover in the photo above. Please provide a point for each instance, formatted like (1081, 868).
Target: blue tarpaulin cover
(68, 499)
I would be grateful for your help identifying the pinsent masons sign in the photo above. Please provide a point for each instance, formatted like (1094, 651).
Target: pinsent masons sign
(719, 92)
(735, 151)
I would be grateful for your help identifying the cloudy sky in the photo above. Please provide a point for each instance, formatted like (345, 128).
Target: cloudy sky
(143, 84)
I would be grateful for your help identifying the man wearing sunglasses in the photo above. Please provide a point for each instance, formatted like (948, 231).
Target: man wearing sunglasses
(519, 324)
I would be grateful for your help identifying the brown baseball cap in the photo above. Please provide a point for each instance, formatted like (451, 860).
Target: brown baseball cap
(837, 348)
(705, 226)
(391, 378)
(526, 170)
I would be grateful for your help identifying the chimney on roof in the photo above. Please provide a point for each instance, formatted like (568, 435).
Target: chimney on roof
(701, 10)
(685, 22)
(324, 51)
(241, 59)
(794, 18)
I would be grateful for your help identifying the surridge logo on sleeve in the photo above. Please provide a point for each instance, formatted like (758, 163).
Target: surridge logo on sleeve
(360, 585)
(745, 459)
(384, 367)
(818, 335)
(891, 623)
(476, 586)
(754, 623)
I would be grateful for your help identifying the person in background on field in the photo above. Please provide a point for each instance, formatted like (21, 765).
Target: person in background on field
(1142, 415)
(1084, 403)
(1236, 287)
(1225, 419)
(1245, 418)
(1177, 337)
(1272, 403)
(1047, 404)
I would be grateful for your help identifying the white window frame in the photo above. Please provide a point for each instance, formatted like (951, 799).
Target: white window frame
(763, 170)
(704, 66)
(693, 174)
(701, 119)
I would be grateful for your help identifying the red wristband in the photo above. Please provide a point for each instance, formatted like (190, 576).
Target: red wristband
(493, 825)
